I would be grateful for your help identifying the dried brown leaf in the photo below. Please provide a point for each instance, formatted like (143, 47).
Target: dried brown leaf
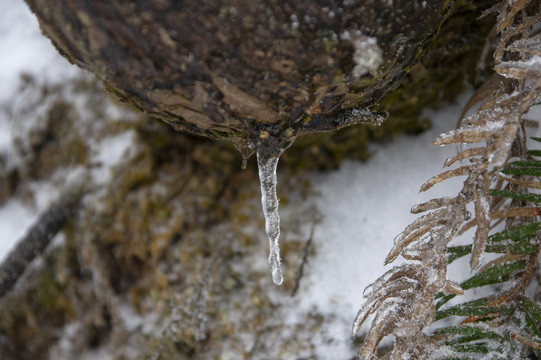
(366, 310)
(480, 151)
(481, 202)
(528, 46)
(529, 69)
(404, 270)
(467, 226)
(461, 136)
(529, 342)
(521, 182)
(433, 204)
(461, 171)
(486, 90)
(382, 325)
(503, 259)
(372, 305)
(431, 219)
(502, 214)
(516, 30)
(412, 255)
(509, 10)
(499, 149)
(530, 123)
(390, 285)
(452, 288)
(403, 243)
(494, 9)
(515, 212)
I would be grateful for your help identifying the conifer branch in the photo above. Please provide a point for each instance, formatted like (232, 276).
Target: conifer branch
(410, 297)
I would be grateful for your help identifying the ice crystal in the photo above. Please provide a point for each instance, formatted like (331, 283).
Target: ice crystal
(367, 55)
(267, 164)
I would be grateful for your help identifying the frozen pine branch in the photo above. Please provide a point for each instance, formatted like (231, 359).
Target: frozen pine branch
(410, 297)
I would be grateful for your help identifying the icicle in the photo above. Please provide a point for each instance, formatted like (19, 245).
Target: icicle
(267, 164)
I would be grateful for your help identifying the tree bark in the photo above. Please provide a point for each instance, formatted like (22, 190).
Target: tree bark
(242, 70)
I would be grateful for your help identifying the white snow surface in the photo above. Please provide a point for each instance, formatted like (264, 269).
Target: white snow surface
(14, 218)
(364, 206)
(23, 49)
(110, 152)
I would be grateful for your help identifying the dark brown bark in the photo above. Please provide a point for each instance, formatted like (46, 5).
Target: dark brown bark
(244, 70)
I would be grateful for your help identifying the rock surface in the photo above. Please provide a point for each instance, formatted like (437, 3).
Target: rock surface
(250, 71)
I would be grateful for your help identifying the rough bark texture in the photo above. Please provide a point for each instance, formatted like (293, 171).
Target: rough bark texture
(244, 70)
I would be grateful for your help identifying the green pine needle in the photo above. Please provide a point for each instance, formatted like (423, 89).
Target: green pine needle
(516, 195)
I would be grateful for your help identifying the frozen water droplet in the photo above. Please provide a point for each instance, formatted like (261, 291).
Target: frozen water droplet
(246, 149)
(267, 164)
(244, 163)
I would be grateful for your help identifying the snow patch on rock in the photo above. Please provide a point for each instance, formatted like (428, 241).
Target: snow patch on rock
(367, 55)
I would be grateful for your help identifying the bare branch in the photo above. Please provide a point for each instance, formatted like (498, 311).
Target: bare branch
(38, 238)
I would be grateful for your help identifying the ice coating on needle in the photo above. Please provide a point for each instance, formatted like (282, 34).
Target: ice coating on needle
(267, 164)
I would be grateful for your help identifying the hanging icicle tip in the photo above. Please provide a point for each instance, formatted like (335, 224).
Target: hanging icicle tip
(267, 162)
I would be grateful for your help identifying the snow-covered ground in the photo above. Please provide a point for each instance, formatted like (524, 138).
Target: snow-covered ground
(363, 205)
(23, 50)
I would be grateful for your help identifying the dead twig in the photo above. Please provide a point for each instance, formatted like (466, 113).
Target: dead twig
(305, 252)
(37, 238)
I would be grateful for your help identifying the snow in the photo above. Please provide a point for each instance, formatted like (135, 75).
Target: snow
(361, 218)
(25, 50)
(109, 152)
(22, 50)
(367, 54)
(14, 217)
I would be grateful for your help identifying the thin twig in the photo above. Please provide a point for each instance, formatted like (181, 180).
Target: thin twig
(38, 237)
(305, 252)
